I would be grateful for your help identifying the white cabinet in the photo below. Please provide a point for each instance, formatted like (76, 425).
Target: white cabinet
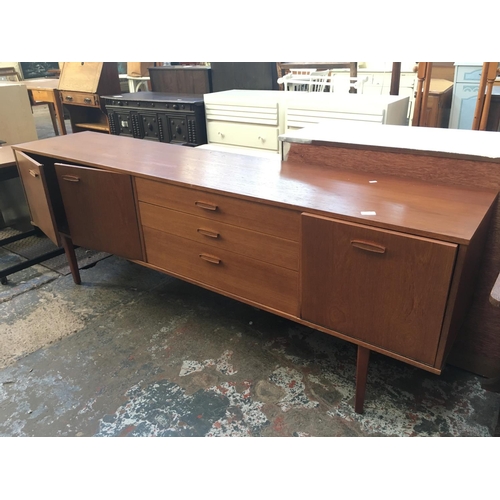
(250, 121)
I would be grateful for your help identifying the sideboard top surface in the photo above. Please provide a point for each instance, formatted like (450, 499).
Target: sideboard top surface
(452, 143)
(433, 210)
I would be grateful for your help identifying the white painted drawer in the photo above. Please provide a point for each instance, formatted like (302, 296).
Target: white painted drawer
(259, 114)
(243, 134)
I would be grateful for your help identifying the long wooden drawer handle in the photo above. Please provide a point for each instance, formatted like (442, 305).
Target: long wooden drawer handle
(210, 258)
(34, 174)
(366, 245)
(205, 205)
(207, 232)
(71, 178)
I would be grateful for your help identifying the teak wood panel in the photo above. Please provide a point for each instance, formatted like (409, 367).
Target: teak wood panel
(267, 248)
(477, 346)
(37, 195)
(100, 209)
(279, 222)
(385, 288)
(272, 286)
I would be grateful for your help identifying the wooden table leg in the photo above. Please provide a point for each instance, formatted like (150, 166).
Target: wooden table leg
(361, 375)
(69, 250)
(53, 116)
(59, 112)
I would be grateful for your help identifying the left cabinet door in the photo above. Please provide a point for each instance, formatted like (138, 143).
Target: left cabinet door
(37, 195)
(100, 210)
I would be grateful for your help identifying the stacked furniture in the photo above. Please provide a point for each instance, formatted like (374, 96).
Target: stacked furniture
(250, 121)
(158, 116)
(446, 158)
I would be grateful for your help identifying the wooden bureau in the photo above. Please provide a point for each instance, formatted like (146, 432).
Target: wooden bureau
(384, 262)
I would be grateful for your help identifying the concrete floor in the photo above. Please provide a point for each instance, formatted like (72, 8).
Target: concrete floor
(138, 353)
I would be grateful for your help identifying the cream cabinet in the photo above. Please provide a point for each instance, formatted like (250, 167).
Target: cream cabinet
(250, 121)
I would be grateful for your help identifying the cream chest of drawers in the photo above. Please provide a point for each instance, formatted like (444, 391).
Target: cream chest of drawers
(250, 121)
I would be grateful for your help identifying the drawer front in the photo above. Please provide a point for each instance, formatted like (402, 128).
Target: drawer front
(79, 98)
(272, 286)
(264, 115)
(243, 134)
(42, 95)
(258, 246)
(266, 219)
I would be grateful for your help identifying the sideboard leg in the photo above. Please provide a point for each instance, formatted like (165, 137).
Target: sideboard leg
(361, 375)
(69, 250)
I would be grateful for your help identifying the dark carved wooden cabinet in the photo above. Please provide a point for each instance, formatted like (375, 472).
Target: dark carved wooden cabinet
(158, 116)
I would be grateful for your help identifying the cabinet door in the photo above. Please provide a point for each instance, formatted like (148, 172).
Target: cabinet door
(382, 287)
(100, 210)
(37, 195)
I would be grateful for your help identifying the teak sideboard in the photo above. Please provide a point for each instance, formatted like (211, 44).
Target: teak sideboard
(384, 262)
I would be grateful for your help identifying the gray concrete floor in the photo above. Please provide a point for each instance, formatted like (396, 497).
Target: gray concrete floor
(138, 353)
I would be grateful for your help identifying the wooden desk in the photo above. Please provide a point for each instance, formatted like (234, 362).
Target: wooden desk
(387, 265)
(44, 91)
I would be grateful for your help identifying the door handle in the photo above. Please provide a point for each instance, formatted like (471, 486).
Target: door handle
(366, 245)
(71, 178)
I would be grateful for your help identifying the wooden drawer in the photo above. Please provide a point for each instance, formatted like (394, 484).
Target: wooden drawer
(79, 98)
(267, 219)
(258, 246)
(243, 134)
(260, 282)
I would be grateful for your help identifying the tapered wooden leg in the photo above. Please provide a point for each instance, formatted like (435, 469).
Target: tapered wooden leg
(361, 375)
(53, 117)
(69, 250)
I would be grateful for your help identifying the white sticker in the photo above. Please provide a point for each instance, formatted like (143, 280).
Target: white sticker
(369, 212)
(372, 182)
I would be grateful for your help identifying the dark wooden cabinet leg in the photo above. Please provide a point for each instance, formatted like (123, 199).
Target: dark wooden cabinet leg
(361, 375)
(69, 250)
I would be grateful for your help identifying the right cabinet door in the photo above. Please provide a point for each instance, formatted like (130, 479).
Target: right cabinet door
(382, 287)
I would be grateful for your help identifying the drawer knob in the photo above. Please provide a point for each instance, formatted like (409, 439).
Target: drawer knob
(366, 245)
(69, 98)
(34, 174)
(221, 135)
(207, 232)
(87, 100)
(205, 205)
(262, 139)
(210, 258)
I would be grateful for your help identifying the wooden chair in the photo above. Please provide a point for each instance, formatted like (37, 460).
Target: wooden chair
(483, 102)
